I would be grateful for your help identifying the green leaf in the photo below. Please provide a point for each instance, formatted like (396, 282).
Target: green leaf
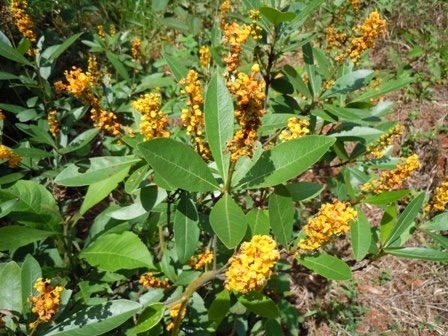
(15, 236)
(387, 87)
(96, 320)
(11, 288)
(304, 13)
(30, 272)
(12, 54)
(80, 141)
(281, 214)
(258, 222)
(219, 307)
(275, 16)
(118, 65)
(388, 221)
(150, 317)
(218, 114)
(348, 83)
(7, 76)
(421, 253)
(386, 197)
(99, 190)
(285, 161)
(326, 265)
(297, 81)
(259, 304)
(228, 221)
(64, 46)
(303, 191)
(442, 240)
(186, 228)
(405, 222)
(179, 164)
(101, 168)
(112, 252)
(438, 223)
(360, 235)
(178, 69)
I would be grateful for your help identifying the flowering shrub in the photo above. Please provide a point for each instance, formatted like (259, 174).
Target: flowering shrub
(170, 194)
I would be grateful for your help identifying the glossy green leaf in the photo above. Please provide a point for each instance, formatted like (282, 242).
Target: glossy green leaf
(186, 228)
(303, 191)
(12, 54)
(259, 304)
(388, 222)
(285, 161)
(360, 235)
(118, 65)
(258, 222)
(112, 252)
(228, 221)
(64, 46)
(438, 223)
(179, 164)
(30, 272)
(386, 197)
(387, 87)
(219, 307)
(275, 16)
(100, 168)
(11, 288)
(15, 236)
(297, 81)
(178, 70)
(99, 190)
(80, 141)
(281, 214)
(348, 83)
(96, 320)
(136, 178)
(405, 222)
(421, 253)
(326, 265)
(150, 317)
(219, 118)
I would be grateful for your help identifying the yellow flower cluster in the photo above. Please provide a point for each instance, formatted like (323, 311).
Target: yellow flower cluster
(355, 5)
(175, 313)
(150, 281)
(7, 154)
(234, 36)
(79, 84)
(439, 199)
(198, 262)
(377, 149)
(136, 51)
(204, 56)
(23, 21)
(393, 179)
(250, 94)
(193, 117)
(372, 28)
(224, 9)
(46, 303)
(153, 122)
(335, 40)
(105, 121)
(296, 128)
(255, 29)
(101, 32)
(332, 219)
(53, 123)
(93, 71)
(252, 266)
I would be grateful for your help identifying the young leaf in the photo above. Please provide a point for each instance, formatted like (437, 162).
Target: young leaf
(219, 307)
(112, 252)
(405, 222)
(348, 83)
(228, 221)
(258, 222)
(281, 214)
(96, 320)
(179, 164)
(186, 229)
(326, 265)
(101, 168)
(285, 161)
(30, 272)
(11, 288)
(360, 234)
(259, 304)
(218, 114)
(421, 253)
(15, 236)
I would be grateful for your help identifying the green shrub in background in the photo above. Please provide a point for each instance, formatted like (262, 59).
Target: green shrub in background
(172, 193)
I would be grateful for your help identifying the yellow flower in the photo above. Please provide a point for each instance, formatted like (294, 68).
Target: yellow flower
(136, 48)
(46, 303)
(53, 123)
(106, 121)
(439, 199)
(175, 313)
(153, 122)
(377, 149)
(7, 154)
(150, 281)
(23, 21)
(251, 267)
(198, 262)
(255, 29)
(332, 219)
(204, 56)
(234, 36)
(296, 129)
(393, 179)
(355, 5)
